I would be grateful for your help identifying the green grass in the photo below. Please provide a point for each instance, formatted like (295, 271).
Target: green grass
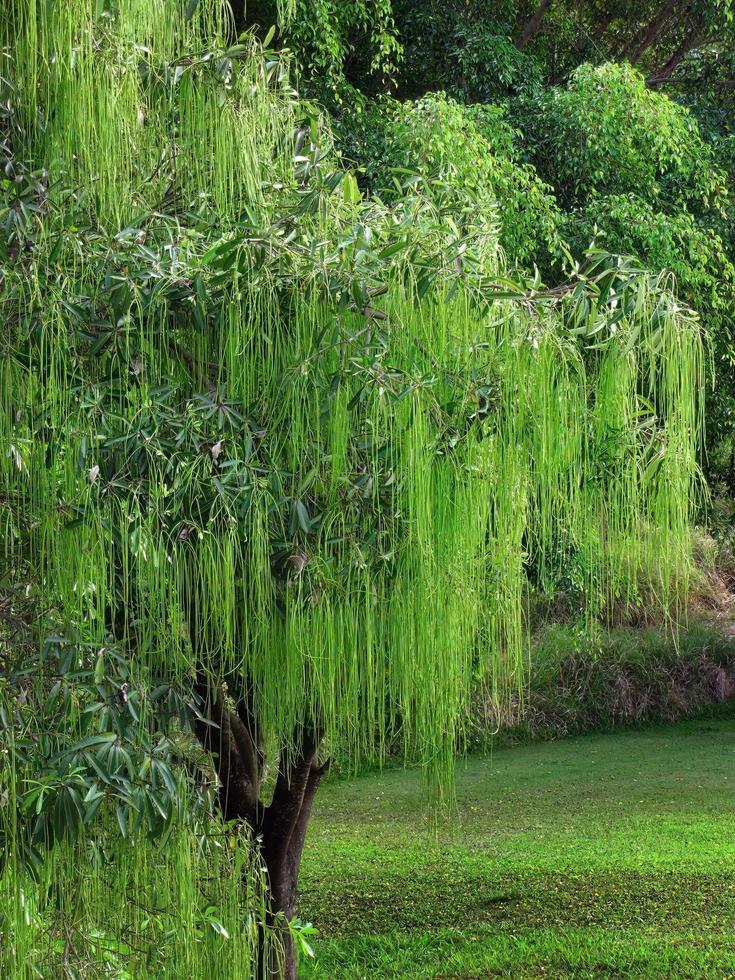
(608, 855)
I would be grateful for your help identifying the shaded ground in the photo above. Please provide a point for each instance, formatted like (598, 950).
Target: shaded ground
(607, 855)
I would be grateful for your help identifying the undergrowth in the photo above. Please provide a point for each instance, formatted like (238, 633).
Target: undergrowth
(628, 677)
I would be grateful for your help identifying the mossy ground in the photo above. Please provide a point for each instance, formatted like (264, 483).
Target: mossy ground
(603, 855)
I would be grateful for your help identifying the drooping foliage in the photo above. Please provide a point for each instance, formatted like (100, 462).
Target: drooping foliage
(256, 427)
(638, 175)
(697, 256)
(607, 97)
(330, 34)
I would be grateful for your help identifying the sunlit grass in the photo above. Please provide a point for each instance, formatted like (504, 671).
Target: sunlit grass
(602, 855)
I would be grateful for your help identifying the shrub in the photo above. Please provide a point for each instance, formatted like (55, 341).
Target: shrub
(629, 677)
(607, 132)
(472, 150)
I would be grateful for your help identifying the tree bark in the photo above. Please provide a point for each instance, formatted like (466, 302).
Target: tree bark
(237, 753)
(284, 831)
(532, 26)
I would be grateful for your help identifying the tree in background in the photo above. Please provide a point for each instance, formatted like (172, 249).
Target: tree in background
(473, 152)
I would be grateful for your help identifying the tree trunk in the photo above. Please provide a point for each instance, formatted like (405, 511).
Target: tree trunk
(284, 833)
(532, 25)
(238, 758)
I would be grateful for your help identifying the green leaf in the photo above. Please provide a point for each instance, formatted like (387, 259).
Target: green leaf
(218, 928)
(93, 741)
(121, 814)
(99, 667)
(393, 249)
(302, 515)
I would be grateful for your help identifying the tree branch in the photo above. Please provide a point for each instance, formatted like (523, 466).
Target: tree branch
(532, 25)
(283, 812)
(664, 73)
(298, 835)
(637, 46)
(235, 753)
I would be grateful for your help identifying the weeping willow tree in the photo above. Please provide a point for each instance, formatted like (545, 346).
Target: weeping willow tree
(296, 452)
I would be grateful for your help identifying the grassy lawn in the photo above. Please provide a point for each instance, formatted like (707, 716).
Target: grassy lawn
(604, 855)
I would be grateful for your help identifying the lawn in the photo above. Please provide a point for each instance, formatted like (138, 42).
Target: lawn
(604, 855)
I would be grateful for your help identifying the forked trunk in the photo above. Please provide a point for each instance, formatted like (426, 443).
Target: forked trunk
(284, 833)
(281, 826)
